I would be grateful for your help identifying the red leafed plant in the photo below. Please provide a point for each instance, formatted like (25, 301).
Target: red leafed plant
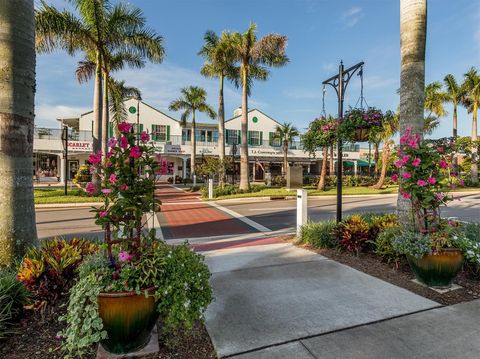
(352, 234)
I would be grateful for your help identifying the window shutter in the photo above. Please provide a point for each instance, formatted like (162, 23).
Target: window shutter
(225, 137)
(270, 138)
(249, 138)
(239, 137)
(141, 127)
(168, 132)
(110, 129)
(153, 134)
(92, 127)
(261, 138)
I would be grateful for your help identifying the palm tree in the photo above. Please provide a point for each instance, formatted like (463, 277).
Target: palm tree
(192, 100)
(219, 63)
(118, 94)
(17, 59)
(286, 133)
(454, 94)
(413, 29)
(389, 129)
(98, 32)
(434, 99)
(254, 55)
(471, 86)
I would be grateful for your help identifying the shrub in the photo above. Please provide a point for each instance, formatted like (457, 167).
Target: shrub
(13, 296)
(383, 247)
(469, 242)
(352, 234)
(379, 223)
(83, 175)
(178, 179)
(279, 181)
(318, 234)
(48, 272)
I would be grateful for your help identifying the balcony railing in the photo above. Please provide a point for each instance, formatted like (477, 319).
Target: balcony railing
(56, 134)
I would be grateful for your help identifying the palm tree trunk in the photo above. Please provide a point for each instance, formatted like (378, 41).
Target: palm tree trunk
(474, 166)
(105, 115)
(244, 176)
(97, 114)
(221, 133)
(285, 157)
(413, 27)
(323, 173)
(385, 159)
(193, 140)
(17, 81)
(376, 157)
(331, 168)
(455, 158)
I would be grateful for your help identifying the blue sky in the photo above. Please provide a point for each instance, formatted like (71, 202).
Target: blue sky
(320, 33)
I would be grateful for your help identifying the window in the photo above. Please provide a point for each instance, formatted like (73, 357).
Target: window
(232, 137)
(274, 141)
(159, 133)
(254, 138)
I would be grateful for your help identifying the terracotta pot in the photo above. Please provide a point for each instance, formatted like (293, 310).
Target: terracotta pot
(361, 134)
(128, 319)
(438, 269)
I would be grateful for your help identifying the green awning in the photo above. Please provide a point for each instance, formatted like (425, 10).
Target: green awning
(360, 163)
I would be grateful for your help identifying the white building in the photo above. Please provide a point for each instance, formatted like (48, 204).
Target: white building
(172, 142)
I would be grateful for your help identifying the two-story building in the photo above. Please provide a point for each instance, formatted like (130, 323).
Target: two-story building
(172, 143)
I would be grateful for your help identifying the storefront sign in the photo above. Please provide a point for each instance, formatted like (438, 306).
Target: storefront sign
(174, 149)
(80, 146)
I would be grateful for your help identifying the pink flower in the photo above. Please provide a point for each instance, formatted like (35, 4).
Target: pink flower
(109, 154)
(109, 164)
(406, 175)
(135, 152)
(412, 143)
(443, 164)
(432, 180)
(406, 195)
(461, 182)
(124, 257)
(399, 163)
(395, 178)
(123, 142)
(440, 195)
(123, 187)
(102, 213)
(113, 178)
(125, 127)
(405, 158)
(416, 162)
(421, 183)
(95, 158)
(90, 188)
(112, 142)
(106, 190)
(144, 137)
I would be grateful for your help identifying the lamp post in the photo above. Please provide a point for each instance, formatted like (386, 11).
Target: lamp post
(234, 152)
(340, 82)
(138, 98)
(65, 148)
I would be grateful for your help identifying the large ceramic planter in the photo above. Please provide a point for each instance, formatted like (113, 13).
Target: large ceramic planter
(128, 319)
(438, 269)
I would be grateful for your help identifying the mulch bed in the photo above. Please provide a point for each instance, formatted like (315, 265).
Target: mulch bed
(37, 338)
(402, 277)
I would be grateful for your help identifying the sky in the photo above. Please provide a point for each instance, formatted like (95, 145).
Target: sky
(320, 34)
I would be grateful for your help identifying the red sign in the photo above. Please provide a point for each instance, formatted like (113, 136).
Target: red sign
(81, 146)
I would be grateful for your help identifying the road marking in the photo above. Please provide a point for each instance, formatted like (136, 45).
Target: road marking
(271, 208)
(242, 218)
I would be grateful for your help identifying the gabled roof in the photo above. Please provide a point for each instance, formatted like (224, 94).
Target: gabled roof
(255, 109)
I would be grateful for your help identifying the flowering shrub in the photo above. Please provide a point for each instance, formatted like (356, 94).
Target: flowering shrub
(321, 133)
(424, 175)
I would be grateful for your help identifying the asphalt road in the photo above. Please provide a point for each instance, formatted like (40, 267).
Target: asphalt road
(281, 214)
(275, 215)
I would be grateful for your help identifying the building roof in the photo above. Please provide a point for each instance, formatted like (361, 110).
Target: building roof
(254, 109)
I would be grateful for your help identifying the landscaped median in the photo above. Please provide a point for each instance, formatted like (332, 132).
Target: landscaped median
(57, 196)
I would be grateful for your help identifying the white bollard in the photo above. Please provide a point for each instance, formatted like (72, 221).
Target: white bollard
(173, 182)
(194, 180)
(301, 209)
(210, 188)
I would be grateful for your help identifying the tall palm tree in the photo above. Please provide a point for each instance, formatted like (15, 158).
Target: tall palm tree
(17, 65)
(193, 99)
(435, 99)
(471, 86)
(254, 55)
(219, 63)
(118, 94)
(454, 94)
(413, 31)
(99, 31)
(389, 129)
(286, 133)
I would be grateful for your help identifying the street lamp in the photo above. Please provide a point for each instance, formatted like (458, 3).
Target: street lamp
(65, 148)
(340, 82)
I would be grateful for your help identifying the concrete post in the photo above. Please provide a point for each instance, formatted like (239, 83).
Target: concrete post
(301, 209)
(355, 164)
(184, 168)
(210, 188)
(174, 175)
(194, 180)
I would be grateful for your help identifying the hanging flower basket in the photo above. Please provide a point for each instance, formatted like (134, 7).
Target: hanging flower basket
(361, 134)
(357, 124)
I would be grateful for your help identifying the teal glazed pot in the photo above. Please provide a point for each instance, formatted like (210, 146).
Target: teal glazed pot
(128, 319)
(437, 270)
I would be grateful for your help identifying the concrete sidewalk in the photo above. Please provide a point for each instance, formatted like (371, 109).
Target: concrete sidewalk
(272, 295)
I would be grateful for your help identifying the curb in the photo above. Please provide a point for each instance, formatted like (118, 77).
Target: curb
(67, 205)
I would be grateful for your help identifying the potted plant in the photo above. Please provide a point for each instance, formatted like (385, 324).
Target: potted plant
(429, 242)
(357, 123)
(124, 287)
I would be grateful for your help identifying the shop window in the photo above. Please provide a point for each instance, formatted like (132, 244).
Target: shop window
(160, 133)
(254, 138)
(233, 136)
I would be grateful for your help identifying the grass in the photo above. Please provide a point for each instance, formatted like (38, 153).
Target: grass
(56, 195)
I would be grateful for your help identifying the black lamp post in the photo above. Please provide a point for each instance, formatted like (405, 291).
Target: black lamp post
(340, 82)
(65, 147)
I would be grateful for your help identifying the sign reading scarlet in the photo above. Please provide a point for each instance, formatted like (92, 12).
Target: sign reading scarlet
(82, 146)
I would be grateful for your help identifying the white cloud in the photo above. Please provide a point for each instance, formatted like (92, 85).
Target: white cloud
(46, 114)
(351, 17)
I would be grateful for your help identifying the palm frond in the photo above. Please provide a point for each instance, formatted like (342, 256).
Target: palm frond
(85, 70)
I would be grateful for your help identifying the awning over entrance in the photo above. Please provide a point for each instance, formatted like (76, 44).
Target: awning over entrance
(360, 163)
